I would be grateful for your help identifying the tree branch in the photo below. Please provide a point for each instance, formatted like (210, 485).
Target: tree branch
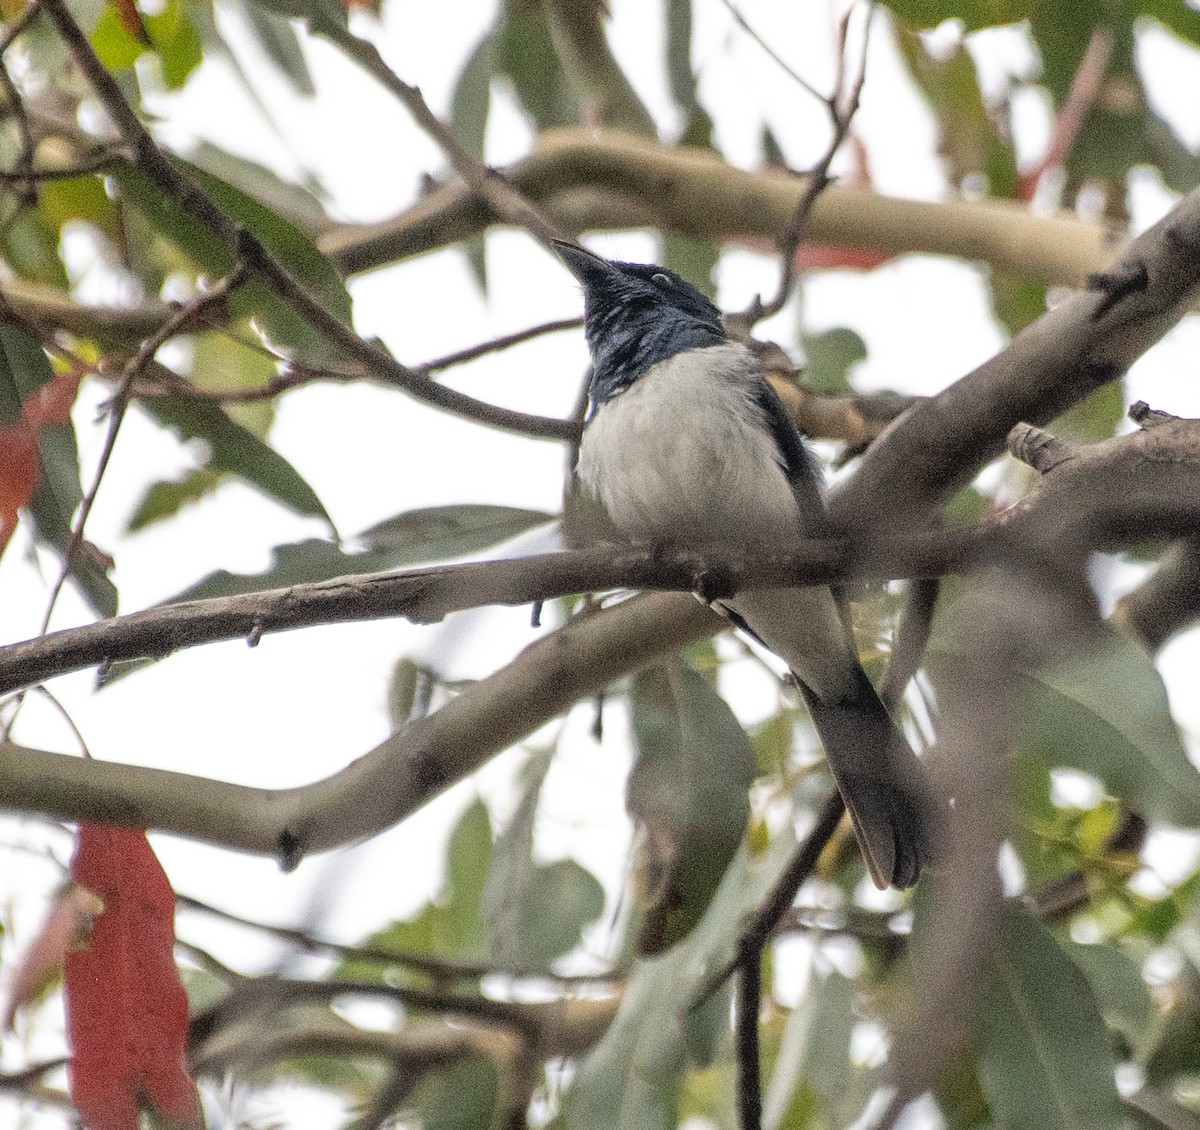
(603, 179)
(247, 249)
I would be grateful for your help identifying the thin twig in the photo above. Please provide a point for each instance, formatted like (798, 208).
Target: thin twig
(757, 933)
(749, 1061)
(437, 970)
(841, 107)
(299, 375)
(487, 184)
(118, 405)
(85, 168)
(771, 53)
(912, 636)
(248, 249)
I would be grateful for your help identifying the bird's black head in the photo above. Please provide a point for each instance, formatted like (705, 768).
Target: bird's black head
(635, 315)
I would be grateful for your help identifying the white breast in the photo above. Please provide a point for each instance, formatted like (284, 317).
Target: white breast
(684, 455)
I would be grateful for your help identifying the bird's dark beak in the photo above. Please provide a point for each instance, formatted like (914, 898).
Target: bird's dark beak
(588, 267)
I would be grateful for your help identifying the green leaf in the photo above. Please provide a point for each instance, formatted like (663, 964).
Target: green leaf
(535, 912)
(450, 928)
(970, 142)
(687, 792)
(236, 451)
(815, 1054)
(299, 204)
(975, 14)
(470, 106)
(30, 248)
(113, 43)
(220, 361)
(1119, 988)
(632, 1078)
(463, 1097)
(253, 299)
(325, 17)
(279, 42)
(829, 356)
(164, 500)
(1107, 714)
(525, 54)
(1173, 1048)
(1045, 1059)
(438, 533)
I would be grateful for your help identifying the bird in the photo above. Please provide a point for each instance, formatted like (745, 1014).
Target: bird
(685, 443)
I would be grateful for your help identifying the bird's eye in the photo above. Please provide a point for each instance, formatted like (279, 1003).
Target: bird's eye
(660, 280)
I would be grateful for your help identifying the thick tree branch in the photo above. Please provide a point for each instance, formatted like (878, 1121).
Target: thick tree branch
(428, 595)
(1085, 342)
(598, 180)
(385, 785)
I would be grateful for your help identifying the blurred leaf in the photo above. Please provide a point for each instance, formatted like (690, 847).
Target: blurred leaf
(525, 54)
(1107, 714)
(222, 362)
(687, 792)
(814, 1055)
(975, 14)
(969, 141)
(828, 358)
(325, 17)
(535, 912)
(1096, 418)
(295, 250)
(164, 500)
(298, 204)
(450, 928)
(437, 533)
(112, 41)
(1119, 988)
(469, 108)
(1017, 301)
(463, 1097)
(180, 49)
(30, 248)
(234, 450)
(1173, 1047)
(279, 42)
(632, 1078)
(773, 742)
(79, 198)
(1045, 1059)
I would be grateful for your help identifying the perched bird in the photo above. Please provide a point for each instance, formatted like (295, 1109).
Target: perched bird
(687, 443)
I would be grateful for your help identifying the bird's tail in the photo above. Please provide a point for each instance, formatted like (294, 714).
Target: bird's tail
(880, 780)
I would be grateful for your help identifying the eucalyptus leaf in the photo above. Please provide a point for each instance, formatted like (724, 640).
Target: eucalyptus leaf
(688, 794)
(1107, 713)
(1045, 1059)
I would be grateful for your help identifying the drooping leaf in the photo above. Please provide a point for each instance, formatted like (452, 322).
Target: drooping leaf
(815, 1054)
(535, 912)
(1119, 988)
(234, 450)
(688, 794)
(1107, 714)
(1045, 1058)
(298, 203)
(279, 42)
(450, 927)
(525, 54)
(325, 17)
(470, 106)
(176, 224)
(633, 1076)
(127, 1012)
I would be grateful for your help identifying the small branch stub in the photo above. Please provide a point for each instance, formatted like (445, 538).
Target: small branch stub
(1038, 448)
(1146, 417)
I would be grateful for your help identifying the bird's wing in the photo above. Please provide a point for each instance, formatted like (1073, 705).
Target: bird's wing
(800, 466)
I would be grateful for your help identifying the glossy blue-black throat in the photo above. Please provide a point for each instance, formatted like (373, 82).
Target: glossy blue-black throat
(636, 315)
